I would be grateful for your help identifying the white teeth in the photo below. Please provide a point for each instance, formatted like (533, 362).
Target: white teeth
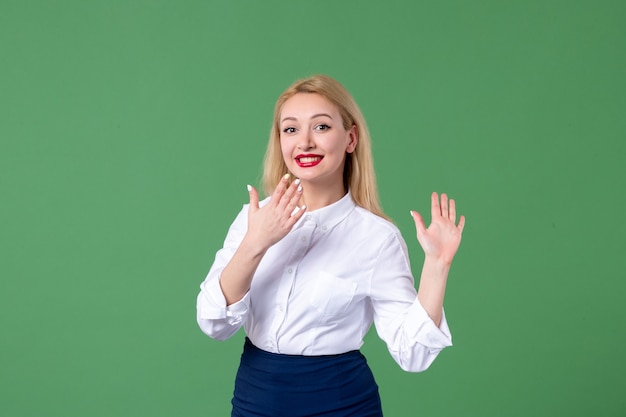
(309, 159)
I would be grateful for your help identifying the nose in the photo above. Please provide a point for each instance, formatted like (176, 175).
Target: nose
(305, 140)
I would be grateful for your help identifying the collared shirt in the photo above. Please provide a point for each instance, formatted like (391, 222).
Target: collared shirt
(318, 290)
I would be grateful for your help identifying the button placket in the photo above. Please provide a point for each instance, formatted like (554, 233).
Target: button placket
(302, 242)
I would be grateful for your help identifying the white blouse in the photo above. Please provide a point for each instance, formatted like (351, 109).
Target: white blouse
(317, 291)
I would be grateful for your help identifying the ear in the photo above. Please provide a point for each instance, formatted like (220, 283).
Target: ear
(353, 134)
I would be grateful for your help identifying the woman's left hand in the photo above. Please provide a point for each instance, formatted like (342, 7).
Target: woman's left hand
(442, 238)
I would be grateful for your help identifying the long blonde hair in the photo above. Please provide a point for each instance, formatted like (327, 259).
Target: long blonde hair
(358, 173)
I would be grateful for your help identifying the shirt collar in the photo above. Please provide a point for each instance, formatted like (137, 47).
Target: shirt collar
(328, 217)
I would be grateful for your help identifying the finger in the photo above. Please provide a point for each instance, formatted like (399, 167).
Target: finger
(435, 210)
(297, 195)
(297, 212)
(452, 215)
(420, 227)
(280, 189)
(254, 197)
(291, 196)
(461, 224)
(444, 206)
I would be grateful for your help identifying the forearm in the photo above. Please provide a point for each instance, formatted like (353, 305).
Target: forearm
(432, 287)
(236, 276)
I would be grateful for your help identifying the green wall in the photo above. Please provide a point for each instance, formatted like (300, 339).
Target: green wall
(129, 130)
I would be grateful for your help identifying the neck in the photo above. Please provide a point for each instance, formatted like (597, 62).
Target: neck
(319, 196)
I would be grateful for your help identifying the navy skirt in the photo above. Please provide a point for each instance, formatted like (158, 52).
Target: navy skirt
(275, 385)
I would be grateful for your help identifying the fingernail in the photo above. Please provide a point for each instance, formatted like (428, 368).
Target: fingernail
(304, 207)
(286, 176)
(299, 188)
(297, 181)
(249, 187)
(293, 213)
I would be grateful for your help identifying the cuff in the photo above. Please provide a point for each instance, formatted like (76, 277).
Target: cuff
(212, 304)
(422, 329)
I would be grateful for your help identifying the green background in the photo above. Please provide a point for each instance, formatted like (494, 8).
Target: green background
(129, 130)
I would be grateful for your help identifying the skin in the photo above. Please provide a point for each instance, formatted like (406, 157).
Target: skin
(312, 125)
(440, 241)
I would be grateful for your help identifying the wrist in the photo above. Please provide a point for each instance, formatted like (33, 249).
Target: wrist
(437, 264)
(252, 247)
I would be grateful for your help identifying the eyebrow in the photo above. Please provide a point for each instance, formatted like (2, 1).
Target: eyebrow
(312, 117)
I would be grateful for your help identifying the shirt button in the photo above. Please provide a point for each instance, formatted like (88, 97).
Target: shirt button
(281, 308)
(303, 239)
(290, 270)
(324, 228)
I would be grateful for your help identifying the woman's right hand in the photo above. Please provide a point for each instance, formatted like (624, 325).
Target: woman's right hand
(270, 223)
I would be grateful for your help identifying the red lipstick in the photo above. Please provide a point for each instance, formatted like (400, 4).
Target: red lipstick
(308, 160)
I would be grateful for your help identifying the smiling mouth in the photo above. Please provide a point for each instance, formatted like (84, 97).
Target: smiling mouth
(306, 161)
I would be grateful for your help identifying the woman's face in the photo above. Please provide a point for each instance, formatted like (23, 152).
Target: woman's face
(313, 140)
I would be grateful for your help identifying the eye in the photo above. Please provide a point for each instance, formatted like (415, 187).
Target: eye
(289, 130)
(322, 127)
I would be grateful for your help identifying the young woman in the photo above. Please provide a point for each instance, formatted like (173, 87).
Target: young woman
(307, 270)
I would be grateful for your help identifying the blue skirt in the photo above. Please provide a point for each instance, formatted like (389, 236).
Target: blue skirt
(275, 385)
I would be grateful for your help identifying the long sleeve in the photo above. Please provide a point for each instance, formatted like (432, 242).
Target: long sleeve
(412, 338)
(318, 290)
(214, 317)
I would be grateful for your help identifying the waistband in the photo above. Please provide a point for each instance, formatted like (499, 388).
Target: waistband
(297, 363)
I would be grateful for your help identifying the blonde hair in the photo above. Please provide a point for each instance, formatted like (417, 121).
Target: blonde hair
(358, 174)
